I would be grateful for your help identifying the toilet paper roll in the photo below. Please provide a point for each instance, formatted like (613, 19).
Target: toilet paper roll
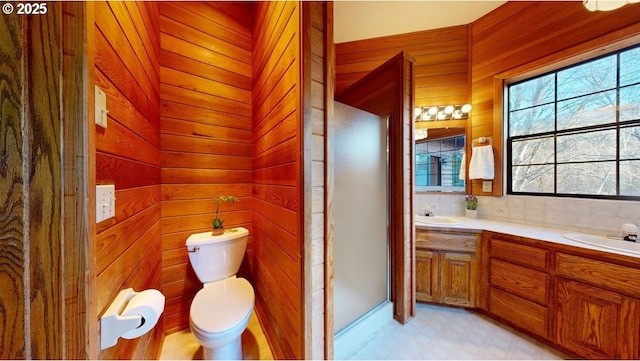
(149, 304)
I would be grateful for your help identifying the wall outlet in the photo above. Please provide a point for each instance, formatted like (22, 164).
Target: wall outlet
(101, 107)
(105, 202)
(487, 186)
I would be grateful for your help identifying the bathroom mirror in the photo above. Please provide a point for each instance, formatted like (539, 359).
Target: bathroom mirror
(439, 150)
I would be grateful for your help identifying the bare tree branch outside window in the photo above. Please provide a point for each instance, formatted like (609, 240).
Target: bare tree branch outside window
(577, 130)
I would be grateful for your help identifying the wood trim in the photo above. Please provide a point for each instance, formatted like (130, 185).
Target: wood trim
(498, 126)
(80, 331)
(93, 342)
(12, 190)
(305, 191)
(43, 124)
(329, 61)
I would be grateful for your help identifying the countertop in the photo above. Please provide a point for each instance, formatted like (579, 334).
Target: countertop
(528, 231)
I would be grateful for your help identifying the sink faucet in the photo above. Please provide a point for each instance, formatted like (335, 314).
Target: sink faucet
(630, 232)
(428, 211)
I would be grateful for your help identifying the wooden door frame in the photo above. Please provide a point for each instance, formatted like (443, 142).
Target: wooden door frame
(79, 226)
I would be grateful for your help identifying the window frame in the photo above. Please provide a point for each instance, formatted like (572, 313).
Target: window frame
(616, 125)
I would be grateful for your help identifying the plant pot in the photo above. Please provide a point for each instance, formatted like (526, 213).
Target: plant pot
(217, 231)
(472, 213)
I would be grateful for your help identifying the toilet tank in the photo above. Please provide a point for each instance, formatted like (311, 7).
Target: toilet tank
(214, 258)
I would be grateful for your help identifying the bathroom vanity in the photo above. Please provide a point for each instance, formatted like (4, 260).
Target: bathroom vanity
(578, 298)
(447, 267)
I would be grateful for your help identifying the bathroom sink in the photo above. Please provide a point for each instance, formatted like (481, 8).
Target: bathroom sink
(618, 245)
(439, 220)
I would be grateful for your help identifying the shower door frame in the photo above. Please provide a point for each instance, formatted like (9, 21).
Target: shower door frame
(387, 91)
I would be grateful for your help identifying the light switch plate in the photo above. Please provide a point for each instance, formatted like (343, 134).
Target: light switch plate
(101, 107)
(486, 186)
(105, 202)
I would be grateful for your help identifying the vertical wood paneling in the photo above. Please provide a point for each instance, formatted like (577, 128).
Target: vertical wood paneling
(526, 36)
(128, 248)
(12, 191)
(206, 137)
(34, 319)
(441, 65)
(276, 104)
(80, 331)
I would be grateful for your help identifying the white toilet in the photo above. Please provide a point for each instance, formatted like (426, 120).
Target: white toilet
(221, 310)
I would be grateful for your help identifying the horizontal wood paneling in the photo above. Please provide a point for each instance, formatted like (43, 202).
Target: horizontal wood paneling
(205, 134)
(128, 248)
(441, 63)
(276, 176)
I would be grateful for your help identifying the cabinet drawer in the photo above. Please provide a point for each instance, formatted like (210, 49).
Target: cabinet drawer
(520, 312)
(518, 253)
(447, 241)
(522, 281)
(625, 280)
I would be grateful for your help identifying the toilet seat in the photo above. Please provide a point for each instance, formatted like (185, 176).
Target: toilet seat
(221, 306)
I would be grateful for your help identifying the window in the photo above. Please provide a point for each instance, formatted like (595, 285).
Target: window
(576, 131)
(438, 164)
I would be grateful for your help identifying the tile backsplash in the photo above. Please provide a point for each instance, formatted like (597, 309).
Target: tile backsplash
(572, 214)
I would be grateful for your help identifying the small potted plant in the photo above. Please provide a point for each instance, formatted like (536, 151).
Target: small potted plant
(217, 223)
(471, 204)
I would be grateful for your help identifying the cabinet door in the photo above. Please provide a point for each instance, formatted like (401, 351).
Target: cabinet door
(458, 279)
(595, 323)
(426, 276)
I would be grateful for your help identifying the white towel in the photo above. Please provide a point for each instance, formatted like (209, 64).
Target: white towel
(463, 167)
(481, 166)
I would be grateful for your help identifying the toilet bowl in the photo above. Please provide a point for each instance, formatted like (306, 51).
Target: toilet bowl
(221, 310)
(219, 314)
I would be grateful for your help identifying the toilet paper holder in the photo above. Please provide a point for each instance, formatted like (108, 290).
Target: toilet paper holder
(114, 324)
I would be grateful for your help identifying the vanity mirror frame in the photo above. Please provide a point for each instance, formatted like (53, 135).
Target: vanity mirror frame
(443, 126)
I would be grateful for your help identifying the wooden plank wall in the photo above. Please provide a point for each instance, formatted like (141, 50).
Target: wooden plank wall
(128, 247)
(528, 35)
(206, 136)
(31, 265)
(277, 216)
(81, 330)
(12, 192)
(440, 55)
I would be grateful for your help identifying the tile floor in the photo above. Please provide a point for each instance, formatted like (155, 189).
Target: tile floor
(184, 346)
(435, 333)
(445, 333)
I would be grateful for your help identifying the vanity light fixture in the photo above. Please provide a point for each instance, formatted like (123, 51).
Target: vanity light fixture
(606, 5)
(442, 112)
(421, 134)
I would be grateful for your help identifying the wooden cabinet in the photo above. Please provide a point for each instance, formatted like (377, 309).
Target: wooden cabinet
(427, 276)
(519, 284)
(446, 267)
(594, 317)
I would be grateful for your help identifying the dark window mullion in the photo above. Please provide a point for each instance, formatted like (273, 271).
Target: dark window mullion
(618, 124)
(555, 133)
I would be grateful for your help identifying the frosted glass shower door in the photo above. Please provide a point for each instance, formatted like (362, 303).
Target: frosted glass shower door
(361, 260)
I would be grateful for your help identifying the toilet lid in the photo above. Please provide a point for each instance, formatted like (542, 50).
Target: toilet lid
(221, 306)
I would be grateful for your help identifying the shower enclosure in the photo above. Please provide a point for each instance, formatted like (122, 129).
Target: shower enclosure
(361, 248)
